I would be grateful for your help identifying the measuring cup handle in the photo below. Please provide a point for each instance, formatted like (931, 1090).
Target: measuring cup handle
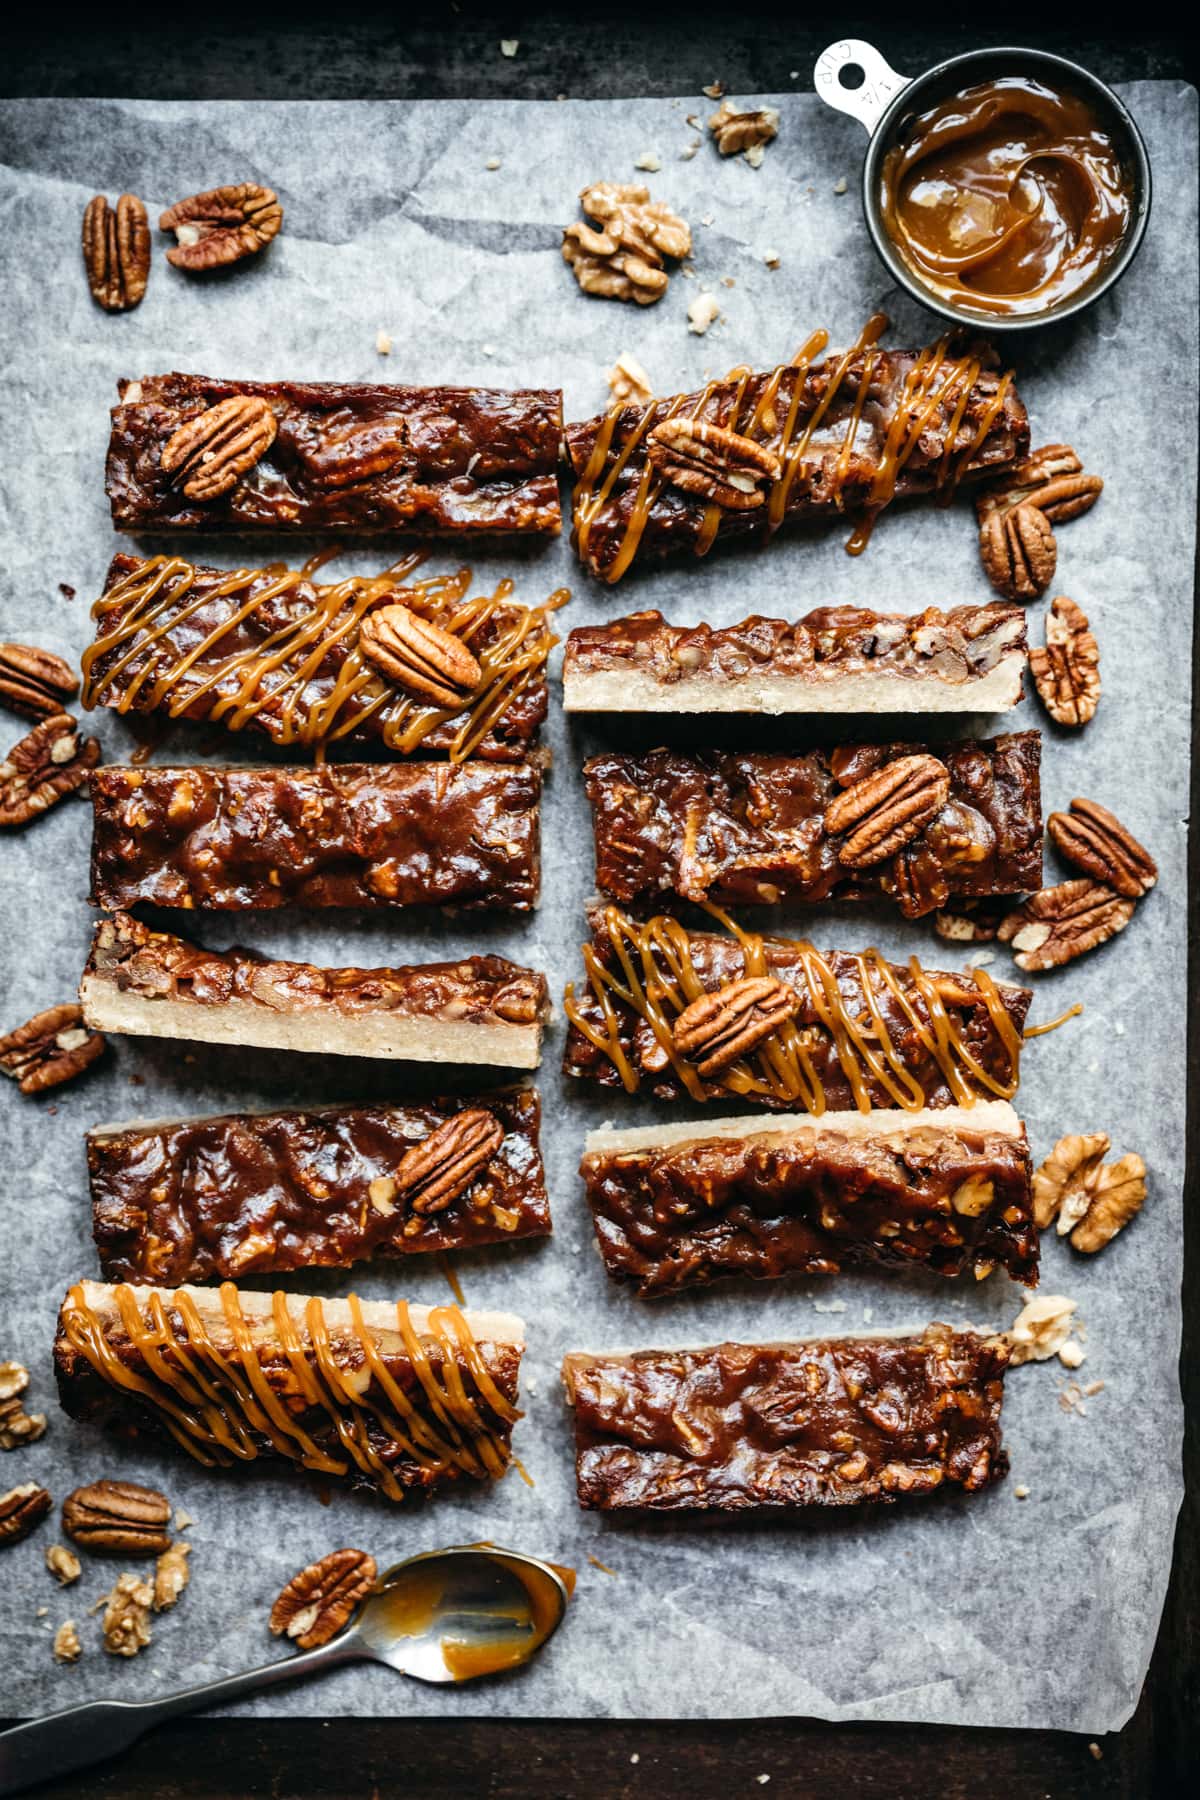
(880, 82)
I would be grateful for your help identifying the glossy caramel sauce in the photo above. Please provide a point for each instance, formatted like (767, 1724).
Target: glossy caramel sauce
(413, 1608)
(1006, 198)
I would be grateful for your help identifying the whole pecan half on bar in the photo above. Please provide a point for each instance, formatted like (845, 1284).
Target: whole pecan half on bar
(431, 664)
(210, 453)
(22, 1509)
(718, 1028)
(1017, 514)
(321, 1599)
(35, 682)
(444, 1165)
(1067, 672)
(1094, 840)
(222, 225)
(52, 1047)
(715, 464)
(1060, 923)
(886, 809)
(43, 768)
(118, 1516)
(116, 251)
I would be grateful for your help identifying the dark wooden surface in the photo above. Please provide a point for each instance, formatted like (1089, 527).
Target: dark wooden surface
(449, 49)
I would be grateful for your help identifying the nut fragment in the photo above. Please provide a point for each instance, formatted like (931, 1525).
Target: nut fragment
(318, 1601)
(1017, 514)
(447, 1162)
(222, 225)
(735, 131)
(127, 1615)
(1060, 923)
(887, 808)
(717, 465)
(49, 1049)
(1119, 1190)
(211, 452)
(22, 1509)
(970, 921)
(1094, 840)
(16, 1425)
(718, 1028)
(1040, 1329)
(67, 1647)
(49, 763)
(35, 682)
(118, 1516)
(1061, 1187)
(116, 251)
(431, 664)
(171, 1575)
(628, 381)
(623, 256)
(1018, 552)
(63, 1564)
(1067, 672)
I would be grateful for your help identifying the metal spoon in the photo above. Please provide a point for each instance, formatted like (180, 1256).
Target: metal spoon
(449, 1615)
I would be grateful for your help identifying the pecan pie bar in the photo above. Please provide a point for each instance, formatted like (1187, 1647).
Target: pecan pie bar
(915, 824)
(766, 1427)
(385, 1395)
(950, 1191)
(837, 659)
(276, 652)
(194, 453)
(482, 1009)
(344, 834)
(807, 442)
(673, 1012)
(256, 1193)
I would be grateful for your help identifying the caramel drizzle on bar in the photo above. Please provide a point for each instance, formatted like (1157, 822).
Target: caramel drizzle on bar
(656, 978)
(934, 382)
(215, 1403)
(153, 599)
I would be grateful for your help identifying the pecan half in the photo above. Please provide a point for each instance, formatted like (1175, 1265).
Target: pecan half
(718, 1028)
(1092, 839)
(886, 809)
(1052, 478)
(623, 256)
(22, 1509)
(46, 766)
(222, 225)
(444, 1165)
(1119, 1190)
(713, 463)
(735, 131)
(210, 453)
(431, 664)
(1067, 672)
(35, 682)
(17, 1427)
(52, 1047)
(118, 1516)
(1018, 552)
(116, 251)
(1060, 923)
(321, 1599)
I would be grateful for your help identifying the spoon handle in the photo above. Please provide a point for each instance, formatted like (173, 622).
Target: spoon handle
(100, 1728)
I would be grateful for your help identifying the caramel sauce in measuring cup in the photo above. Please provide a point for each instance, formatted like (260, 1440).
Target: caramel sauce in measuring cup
(1007, 197)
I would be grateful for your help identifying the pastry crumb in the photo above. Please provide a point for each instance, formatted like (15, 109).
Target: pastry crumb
(1021, 1491)
(509, 46)
(1096, 1752)
(714, 90)
(771, 258)
(754, 156)
(1072, 1355)
(689, 150)
(702, 312)
(829, 1306)
(383, 343)
(649, 161)
(635, 1758)
(489, 349)
(839, 186)
(493, 162)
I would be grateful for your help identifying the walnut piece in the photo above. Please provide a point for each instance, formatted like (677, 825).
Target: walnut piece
(717, 1029)
(1119, 1191)
(127, 1615)
(67, 1647)
(222, 225)
(1061, 1186)
(623, 256)
(427, 662)
(63, 1564)
(628, 381)
(887, 808)
(17, 1427)
(1060, 923)
(1040, 1329)
(1067, 672)
(736, 131)
(211, 452)
(52, 1047)
(47, 765)
(35, 682)
(713, 463)
(22, 1509)
(319, 1600)
(171, 1574)
(1017, 515)
(118, 1516)
(116, 251)
(1094, 840)
(446, 1163)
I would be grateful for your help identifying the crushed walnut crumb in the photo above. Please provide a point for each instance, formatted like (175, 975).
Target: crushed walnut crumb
(628, 380)
(67, 1647)
(383, 344)
(171, 1574)
(63, 1564)
(493, 162)
(127, 1615)
(1041, 1328)
(702, 313)
(650, 161)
